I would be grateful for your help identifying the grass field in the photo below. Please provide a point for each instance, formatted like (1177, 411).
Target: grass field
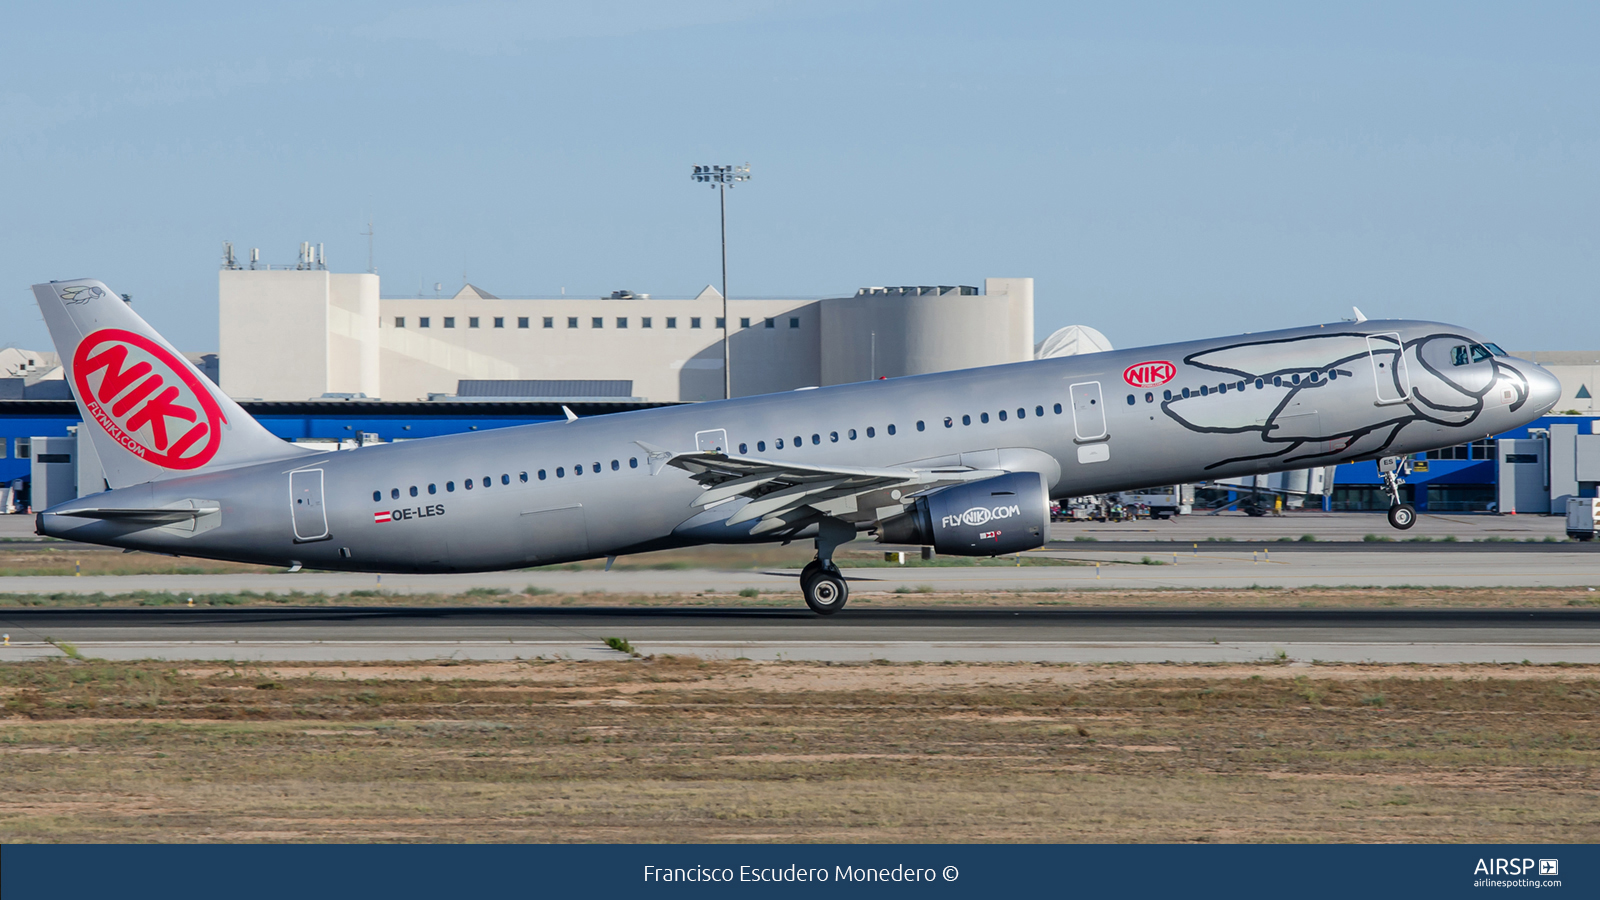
(684, 750)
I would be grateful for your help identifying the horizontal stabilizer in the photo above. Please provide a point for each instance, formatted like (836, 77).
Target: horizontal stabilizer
(143, 515)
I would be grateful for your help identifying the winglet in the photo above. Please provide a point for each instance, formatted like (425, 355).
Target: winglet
(1359, 316)
(571, 416)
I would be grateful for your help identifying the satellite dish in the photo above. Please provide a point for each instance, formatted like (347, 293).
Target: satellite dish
(1073, 340)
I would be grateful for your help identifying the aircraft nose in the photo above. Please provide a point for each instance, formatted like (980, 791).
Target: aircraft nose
(1544, 389)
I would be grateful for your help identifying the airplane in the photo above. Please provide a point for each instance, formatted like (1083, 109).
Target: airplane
(966, 462)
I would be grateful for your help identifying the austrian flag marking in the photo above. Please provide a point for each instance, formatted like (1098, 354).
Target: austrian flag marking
(1149, 373)
(147, 399)
(378, 518)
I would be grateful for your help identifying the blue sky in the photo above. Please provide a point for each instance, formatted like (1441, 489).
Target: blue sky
(1162, 170)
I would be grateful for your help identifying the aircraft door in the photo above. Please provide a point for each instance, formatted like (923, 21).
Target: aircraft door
(1389, 367)
(1088, 411)
(305, 506)
(715, 441)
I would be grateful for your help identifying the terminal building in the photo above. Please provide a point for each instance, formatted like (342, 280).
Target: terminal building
(334, 334)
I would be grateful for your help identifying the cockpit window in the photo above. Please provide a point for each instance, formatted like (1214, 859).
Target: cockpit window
(1495, 349)
(1467, 354)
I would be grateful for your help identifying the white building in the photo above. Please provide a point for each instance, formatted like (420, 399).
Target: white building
(302, 333)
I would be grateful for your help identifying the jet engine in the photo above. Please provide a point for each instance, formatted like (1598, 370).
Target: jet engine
(995, 516)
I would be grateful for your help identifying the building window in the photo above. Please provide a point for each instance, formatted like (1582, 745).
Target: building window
(499, 322)
(744, 323)
(771, 323)
(694, 321)
(572, 322)
(399, 321)
(672, 321)
(644, 322)
(597, 322)
(422, 322)
(721, 322)
(794, 323)
(472, 321)
(549, 321)
(622, 321)
(522, 322)
(449, 321)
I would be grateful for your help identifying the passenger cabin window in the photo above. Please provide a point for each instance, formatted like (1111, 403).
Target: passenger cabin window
(449, 487)
(891, 428)
(633, 462)
(984, 418)
(966, 420)
(413, 490)
(616, 466)
(377, 496)
(761, 446)
(433, 489)
(1002, 415)
(541, 474)
(394, 493)
(743, 449)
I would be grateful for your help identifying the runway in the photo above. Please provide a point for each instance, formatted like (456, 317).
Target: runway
(900, 635)
(1091, 567)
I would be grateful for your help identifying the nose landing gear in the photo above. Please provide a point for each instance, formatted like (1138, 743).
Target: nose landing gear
(1394, 470)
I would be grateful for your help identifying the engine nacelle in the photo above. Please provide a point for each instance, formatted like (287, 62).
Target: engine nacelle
(992, 517)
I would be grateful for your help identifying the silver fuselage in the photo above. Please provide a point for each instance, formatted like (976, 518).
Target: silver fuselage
(1097, 432)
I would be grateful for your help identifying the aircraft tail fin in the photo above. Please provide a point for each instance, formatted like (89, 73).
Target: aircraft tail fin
(151, 415)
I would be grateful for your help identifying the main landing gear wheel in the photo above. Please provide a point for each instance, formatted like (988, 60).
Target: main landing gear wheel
(1402, 515)
(825, 591)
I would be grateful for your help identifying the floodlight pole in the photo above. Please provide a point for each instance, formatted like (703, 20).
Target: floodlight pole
(722, 178)
(727, 352)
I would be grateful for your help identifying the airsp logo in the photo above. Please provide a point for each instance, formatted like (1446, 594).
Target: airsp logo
(980, 515)
(147, 399)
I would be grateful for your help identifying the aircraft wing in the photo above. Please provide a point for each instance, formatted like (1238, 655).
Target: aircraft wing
(783, 493)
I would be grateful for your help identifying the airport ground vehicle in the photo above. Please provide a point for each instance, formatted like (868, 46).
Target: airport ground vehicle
(1583, 518)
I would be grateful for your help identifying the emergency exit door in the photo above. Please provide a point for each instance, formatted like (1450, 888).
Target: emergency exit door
(305, 506)
(1088, 411)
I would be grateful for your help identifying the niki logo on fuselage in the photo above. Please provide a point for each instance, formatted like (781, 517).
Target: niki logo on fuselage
(1149, 373)
(400, 515)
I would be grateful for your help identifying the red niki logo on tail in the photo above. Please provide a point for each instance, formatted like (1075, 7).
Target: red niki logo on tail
(1149, 374)
(147, 399)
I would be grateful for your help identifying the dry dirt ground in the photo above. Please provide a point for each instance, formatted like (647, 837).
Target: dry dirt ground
(684, 750)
